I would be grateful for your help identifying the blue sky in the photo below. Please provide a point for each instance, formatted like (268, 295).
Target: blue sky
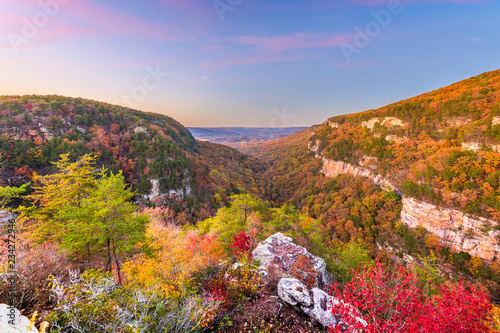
(245, 62)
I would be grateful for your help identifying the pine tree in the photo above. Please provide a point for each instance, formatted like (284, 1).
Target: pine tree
(84, 211)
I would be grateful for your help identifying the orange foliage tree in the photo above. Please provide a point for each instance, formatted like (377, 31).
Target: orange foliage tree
(177, 256)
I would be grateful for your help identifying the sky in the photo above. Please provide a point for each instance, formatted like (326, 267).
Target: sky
(252, 63)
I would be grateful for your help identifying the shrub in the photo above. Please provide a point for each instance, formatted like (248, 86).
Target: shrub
(93, 302)
(241, 244)
(34, 265)
(236, 283)
(394, 301)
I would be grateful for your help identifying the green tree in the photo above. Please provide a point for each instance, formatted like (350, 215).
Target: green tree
(84, 211)
(9, 192)
(350, 257)
(233, 219)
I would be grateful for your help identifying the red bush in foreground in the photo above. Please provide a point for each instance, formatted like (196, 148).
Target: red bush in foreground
(393, 301)
(241, 244)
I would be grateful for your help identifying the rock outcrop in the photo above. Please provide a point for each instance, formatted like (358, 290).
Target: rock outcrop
(321, 308)
(332, 124)
(316, 303)
(454, 228)
(5, 217)
(387, 122)
(293, 292)
(278, 252)
(474, 146)
(334, 168)
(11, 321)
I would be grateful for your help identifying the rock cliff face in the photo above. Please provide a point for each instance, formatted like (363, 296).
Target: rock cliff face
(454, 228)
(387, 122)
(335, 168)
(460, 232)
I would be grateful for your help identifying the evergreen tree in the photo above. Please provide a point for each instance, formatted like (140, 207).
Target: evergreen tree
(84, 211)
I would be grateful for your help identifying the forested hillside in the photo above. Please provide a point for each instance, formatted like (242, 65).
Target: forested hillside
(159, 158)
(442, 146)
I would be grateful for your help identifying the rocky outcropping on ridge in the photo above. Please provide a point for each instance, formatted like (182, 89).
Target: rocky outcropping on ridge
(454, 228)
(278, 252)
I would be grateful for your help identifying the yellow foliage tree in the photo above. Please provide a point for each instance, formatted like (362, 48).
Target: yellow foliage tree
(177, 257)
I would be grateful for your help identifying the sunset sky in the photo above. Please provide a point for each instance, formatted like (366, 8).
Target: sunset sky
(245, 62)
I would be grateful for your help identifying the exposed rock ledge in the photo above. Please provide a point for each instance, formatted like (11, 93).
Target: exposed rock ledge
(315, 303)
(280, 254)
(460, 232)
(454, 228)
(335, 168)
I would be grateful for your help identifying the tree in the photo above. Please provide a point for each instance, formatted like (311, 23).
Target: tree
(9, 192)
(233, 219)
(84, 211)
(177, 256)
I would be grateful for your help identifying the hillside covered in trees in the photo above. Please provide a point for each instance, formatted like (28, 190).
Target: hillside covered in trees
(127, 224)
(159, 158)
(442, 146)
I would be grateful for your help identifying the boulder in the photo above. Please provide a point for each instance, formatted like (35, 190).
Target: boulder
(5, 217)
(294, 292)
(280, 252)
(315, 303)
(321, 308)
(11, 321)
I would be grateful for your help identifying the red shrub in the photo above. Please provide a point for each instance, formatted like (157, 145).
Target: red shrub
(241, 244)
(393, 301)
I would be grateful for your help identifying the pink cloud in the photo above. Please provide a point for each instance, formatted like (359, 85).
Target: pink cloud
(76, 18)
(101, 19)
(278, 44)
(246, 61)
(212, 48)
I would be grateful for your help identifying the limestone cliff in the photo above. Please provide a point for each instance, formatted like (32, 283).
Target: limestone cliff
(456, 230)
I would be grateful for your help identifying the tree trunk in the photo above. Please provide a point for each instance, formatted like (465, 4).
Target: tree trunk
(108, 264)
(117, 265)
(88, 252)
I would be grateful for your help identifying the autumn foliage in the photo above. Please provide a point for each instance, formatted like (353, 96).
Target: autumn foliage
(394, 301)
(177, 256)
(241, 244)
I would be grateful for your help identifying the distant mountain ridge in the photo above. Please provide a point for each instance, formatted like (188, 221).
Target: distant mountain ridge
(238, 137)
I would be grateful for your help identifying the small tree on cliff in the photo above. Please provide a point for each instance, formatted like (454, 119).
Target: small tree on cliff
(84, 211)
